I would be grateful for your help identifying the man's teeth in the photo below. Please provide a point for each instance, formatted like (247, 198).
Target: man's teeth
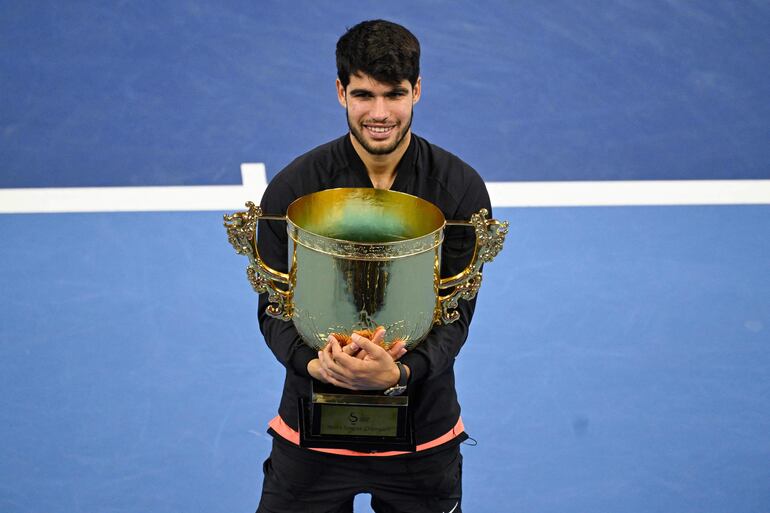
(379, 129)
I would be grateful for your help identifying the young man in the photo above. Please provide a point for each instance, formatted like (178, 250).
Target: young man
(378, 85)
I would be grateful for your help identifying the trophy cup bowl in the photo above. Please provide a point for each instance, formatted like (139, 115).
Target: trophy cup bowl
(360, 258)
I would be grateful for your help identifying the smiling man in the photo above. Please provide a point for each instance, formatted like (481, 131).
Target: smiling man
(379, 104)
(378, 84)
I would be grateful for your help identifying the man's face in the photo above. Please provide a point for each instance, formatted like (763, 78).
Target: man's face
(379, 114)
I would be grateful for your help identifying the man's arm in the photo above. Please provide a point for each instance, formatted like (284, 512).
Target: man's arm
(442, 345)
(281, 336)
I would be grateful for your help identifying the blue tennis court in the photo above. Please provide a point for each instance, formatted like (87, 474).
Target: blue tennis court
(618, 357)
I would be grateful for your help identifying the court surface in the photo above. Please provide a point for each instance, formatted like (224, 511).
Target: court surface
(618, 358)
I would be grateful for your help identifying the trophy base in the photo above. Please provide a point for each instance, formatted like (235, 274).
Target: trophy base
(336, 418)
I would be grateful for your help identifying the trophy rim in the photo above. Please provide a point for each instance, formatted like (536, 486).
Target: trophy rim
(435, 234)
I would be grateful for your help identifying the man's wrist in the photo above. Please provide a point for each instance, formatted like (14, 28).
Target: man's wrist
(400, 365)
(400, 386)
(394, 380)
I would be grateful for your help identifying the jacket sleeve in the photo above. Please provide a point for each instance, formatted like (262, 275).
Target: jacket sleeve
(281, 336)
(437, 352)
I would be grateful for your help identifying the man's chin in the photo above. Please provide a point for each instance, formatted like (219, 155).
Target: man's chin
(381, 149)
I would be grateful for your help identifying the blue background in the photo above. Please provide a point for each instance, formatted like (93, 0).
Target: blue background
(139, 93)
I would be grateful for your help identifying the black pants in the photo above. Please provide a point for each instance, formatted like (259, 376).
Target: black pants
(301, 480)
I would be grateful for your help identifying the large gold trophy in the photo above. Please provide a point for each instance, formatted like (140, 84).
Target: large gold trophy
(360, 258)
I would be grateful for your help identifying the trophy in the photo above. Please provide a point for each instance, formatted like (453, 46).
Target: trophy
(360, 258)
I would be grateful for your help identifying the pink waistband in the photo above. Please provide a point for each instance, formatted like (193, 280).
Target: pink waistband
(286, 432)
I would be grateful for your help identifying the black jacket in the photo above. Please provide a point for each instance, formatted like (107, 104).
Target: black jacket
(425, 171)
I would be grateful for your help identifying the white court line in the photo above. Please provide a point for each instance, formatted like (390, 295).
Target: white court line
(625, 193)
(137, 199)
(503, 194)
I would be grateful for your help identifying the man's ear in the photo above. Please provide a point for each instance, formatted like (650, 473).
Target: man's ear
(417, 90)
(341, 97)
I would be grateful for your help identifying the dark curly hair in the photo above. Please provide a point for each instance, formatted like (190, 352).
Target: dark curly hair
(386, 51)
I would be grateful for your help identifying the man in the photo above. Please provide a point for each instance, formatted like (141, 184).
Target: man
(378, 85)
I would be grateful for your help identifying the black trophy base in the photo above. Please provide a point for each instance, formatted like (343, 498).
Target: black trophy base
(336, 418)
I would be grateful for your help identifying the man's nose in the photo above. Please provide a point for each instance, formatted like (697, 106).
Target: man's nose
(379, 109)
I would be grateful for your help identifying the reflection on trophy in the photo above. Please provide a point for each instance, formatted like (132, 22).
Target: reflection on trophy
(360, 258)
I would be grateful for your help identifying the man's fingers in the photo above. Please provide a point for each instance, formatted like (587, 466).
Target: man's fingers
(336, 361)
(367, 345)
(397, 349)
(331, 372)
(362, 341)
(333, 380)
(328, 361)
(379, 335)
(351, 349)
(337, 350)
(372, 349)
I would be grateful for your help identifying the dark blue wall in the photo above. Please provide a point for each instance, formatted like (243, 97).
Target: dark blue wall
(178, 92)
(132, 93)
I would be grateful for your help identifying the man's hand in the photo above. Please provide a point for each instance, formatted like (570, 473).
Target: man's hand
(361, 365)
(396, 349)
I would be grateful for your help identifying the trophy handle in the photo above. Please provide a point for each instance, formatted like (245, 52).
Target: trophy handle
(242, 234)
(490, 235)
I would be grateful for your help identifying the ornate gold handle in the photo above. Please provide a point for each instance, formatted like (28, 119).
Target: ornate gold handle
(242, 234)
(490, 235)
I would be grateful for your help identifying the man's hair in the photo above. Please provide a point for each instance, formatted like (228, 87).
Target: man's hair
(385, 51)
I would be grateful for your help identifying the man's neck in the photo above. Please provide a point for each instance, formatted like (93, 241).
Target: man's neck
(382, 168)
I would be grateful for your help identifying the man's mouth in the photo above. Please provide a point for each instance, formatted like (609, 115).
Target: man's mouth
(379, 130)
